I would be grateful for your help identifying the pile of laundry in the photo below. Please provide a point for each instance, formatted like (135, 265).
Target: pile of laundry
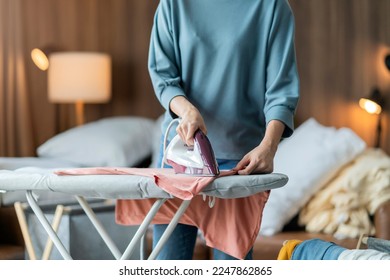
(344, 206)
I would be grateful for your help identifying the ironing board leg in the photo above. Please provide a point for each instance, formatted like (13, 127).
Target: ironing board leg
(167, 233)
(46, 225)
(99, 227)
(55, 225)
(142, 228)
(24, 227)
(143, 248)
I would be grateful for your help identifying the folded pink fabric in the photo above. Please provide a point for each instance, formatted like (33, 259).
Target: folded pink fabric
(179, 185)
(231, 225)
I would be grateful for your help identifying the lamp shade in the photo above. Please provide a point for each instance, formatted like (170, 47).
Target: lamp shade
(79, 76)
(372, 104)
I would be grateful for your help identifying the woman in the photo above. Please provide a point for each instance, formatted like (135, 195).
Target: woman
(226, 67)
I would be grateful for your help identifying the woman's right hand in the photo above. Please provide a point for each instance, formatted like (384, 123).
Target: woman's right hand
(191, 119)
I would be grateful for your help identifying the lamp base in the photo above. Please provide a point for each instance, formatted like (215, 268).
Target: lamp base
(378, 132)
(79, 106)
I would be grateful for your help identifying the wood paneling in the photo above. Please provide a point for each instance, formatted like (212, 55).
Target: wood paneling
(340, 44)
(119, 27)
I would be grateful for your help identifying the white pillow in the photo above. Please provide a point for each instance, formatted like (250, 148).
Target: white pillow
(114, 141)
(310, 158)
(157, 141)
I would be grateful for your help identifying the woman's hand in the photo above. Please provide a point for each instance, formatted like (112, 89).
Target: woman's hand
(261, 158)
(190, 122)
(191, 119)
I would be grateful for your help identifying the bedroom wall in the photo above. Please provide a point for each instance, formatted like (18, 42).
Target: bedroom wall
(120, 28)
(340, 49)
(341, 45)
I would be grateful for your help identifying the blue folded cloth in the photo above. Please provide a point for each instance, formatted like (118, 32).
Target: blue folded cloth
(317, 249)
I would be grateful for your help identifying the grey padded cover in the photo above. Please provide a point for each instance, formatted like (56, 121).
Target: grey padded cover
(129, 186)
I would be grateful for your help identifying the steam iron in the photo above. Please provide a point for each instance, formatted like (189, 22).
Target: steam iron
(196, 160)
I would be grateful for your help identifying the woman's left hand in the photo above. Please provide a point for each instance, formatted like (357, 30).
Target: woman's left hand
(259, 160)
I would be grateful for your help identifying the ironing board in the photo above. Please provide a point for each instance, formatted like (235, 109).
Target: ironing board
(32, 179)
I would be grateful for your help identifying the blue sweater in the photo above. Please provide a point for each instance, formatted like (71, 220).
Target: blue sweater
(234, 60)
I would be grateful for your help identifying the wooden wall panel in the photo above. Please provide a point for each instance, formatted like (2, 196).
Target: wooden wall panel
(118, 27)
(341, 45)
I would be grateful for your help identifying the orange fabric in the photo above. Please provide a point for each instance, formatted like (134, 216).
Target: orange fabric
(231, 225)
(287, 249)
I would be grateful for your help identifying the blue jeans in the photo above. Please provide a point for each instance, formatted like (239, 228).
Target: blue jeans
(181, 244)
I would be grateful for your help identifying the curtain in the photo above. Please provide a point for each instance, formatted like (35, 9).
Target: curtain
(16, 134)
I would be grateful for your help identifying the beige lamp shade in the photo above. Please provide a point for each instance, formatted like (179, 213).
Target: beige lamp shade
(79, 77)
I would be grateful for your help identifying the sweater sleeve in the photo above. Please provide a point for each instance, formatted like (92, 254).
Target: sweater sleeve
(282, 81)
(162, 61)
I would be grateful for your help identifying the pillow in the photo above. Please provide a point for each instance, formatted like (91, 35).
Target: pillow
(115, 141)
(157, 141)
(310, 158)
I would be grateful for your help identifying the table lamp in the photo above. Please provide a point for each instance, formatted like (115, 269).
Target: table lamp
(373, 104)
(79, 77)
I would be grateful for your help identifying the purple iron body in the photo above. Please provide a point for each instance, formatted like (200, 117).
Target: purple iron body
(198, 160)
(206, 152)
